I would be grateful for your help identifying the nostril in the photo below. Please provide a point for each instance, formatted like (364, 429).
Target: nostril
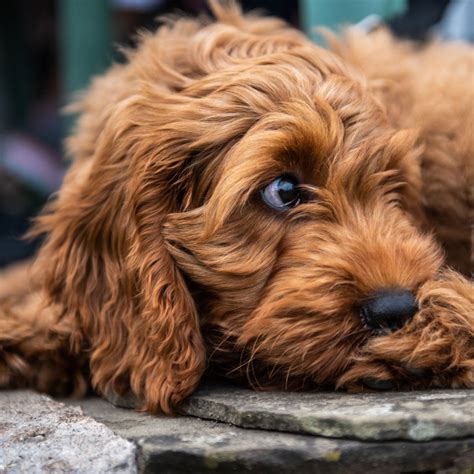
(389, 309)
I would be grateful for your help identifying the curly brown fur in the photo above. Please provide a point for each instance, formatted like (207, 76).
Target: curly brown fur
(161, 258)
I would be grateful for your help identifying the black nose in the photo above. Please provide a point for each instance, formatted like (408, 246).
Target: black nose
(389, 309)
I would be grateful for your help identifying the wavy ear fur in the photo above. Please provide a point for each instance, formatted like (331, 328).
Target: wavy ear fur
(104, 259)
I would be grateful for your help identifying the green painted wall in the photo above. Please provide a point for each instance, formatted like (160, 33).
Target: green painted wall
(334, 13)
(85, 42)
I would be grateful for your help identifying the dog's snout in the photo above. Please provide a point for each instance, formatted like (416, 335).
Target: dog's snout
(389, 309)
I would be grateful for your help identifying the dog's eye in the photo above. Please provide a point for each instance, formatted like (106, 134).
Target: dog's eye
(282, 193)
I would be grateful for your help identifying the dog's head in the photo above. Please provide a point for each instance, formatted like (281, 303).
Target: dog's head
(238, 196)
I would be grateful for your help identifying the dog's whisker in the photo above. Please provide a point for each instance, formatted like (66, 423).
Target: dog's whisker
(352, 334)
(222, 342)
(249, 366)
(287, 377)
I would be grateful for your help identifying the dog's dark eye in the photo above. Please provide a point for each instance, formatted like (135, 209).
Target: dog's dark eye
(282, 193)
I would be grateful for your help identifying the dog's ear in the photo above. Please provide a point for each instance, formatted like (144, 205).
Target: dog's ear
(104, 260)
(169, 353)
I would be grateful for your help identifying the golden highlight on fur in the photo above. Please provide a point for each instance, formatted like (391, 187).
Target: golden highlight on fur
(161, 260)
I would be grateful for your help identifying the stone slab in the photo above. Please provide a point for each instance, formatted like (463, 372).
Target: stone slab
(416, 416)
(191, 445)
(38, 434)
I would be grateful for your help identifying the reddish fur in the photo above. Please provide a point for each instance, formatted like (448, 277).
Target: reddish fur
(161, 259)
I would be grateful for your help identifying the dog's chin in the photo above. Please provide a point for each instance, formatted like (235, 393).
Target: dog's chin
(371, 372)
(386, 377)
(413, 379)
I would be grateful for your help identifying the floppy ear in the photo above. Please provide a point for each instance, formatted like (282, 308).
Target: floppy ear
(104, 260)
(169, 354)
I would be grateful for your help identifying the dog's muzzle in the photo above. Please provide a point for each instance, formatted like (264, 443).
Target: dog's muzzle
(388, 309)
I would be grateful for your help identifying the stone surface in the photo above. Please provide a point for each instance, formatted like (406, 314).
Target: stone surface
(191, 445)
(417, 416)
(38, 434)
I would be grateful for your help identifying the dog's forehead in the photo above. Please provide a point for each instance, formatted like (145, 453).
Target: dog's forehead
(299, 72)
(241, 74)
(306, 74)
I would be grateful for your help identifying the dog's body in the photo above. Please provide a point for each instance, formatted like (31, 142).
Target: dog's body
(170, 246)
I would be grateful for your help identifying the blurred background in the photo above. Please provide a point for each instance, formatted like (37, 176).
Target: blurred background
(49, 49)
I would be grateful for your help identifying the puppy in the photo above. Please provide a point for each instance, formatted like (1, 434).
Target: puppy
(245, 202)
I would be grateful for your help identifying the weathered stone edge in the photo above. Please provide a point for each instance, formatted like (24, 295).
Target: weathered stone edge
(411, 428)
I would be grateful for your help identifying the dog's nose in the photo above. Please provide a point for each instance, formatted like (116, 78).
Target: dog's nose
(389, 309)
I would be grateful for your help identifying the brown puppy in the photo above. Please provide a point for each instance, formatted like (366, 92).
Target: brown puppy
(243, 199)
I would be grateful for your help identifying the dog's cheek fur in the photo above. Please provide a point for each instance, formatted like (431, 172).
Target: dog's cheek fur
(306, 328)
(231, 267)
